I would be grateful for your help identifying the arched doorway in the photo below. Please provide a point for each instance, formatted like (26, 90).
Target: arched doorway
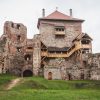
(50, 76)
(27, 73)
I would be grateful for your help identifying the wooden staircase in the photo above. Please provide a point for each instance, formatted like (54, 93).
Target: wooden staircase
(68, 53)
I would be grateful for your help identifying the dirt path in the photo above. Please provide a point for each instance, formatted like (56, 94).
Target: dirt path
(13, 83)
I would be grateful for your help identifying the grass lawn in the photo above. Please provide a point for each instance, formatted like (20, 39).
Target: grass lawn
(37, 88)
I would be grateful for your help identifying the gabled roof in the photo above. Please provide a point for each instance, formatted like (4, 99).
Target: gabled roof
(56, 15)
(83, 35)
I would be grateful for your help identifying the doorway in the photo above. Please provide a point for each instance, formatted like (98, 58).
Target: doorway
(50, 76)
(27, 73)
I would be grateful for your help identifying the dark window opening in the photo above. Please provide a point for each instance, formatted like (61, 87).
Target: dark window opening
(27, 57)
(29, 48)
(12, 25)
(18, 37)
(60, 29)
(18, 26)
(83, 52)
(86, 51)
(18, 49)
(85, 41)
(84, 62)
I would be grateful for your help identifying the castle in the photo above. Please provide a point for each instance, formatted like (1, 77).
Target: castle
(60, 51)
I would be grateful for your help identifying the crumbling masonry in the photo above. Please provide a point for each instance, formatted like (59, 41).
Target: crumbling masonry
(60, 51)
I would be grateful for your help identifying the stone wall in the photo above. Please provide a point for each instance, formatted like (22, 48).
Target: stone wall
(36, 55)
(94, 66)
(47, 31)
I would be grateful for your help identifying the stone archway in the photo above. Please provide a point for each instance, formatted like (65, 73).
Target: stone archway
(27, 73)
(50, 76)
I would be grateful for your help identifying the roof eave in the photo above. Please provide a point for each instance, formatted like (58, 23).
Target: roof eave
(73, 20)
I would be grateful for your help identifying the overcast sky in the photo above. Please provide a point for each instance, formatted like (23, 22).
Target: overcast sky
(28, 12)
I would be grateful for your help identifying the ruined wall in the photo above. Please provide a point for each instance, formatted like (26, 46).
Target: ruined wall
(3, 41)
(16, 36)
(36, 54)
(94, 66)
(66, 69)
(16, 64)
(47, 31)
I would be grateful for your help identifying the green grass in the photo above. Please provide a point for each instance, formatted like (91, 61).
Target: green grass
(5, 79)
(41, 83)
(37, 88)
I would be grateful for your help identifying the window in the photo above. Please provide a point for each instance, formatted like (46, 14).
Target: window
(29, 48)
(12, 25)
(85, 41)
(60, 29)
(86, 51)
(18, 26)
(18, 49)
(84, 62)
(27, 57)
(18, 37)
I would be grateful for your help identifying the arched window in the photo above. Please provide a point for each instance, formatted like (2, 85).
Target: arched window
(27, 57)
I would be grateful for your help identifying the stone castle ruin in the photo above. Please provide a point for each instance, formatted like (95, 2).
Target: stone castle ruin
(60, 51)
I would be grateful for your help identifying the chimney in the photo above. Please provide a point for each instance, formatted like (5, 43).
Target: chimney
(43, 12)
(71, 13)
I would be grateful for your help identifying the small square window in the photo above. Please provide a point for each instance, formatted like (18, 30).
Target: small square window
(18, 26)
(60, 29)
(18, 49)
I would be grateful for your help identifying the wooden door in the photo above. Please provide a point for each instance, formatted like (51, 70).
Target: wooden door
(50, 76)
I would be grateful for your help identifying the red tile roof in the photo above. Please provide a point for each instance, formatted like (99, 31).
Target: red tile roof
(58, 15)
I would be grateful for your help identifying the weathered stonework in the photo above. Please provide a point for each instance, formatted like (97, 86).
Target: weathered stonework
(59, 51)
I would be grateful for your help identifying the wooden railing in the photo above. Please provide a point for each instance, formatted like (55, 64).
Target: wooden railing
(68, 53)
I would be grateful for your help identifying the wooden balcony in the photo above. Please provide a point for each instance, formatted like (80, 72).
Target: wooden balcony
(57, 55)
(47, 54)
(68, 53)
(86, 46)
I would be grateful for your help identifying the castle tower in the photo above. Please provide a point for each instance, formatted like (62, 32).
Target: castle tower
(58, 33)
(16, 35)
